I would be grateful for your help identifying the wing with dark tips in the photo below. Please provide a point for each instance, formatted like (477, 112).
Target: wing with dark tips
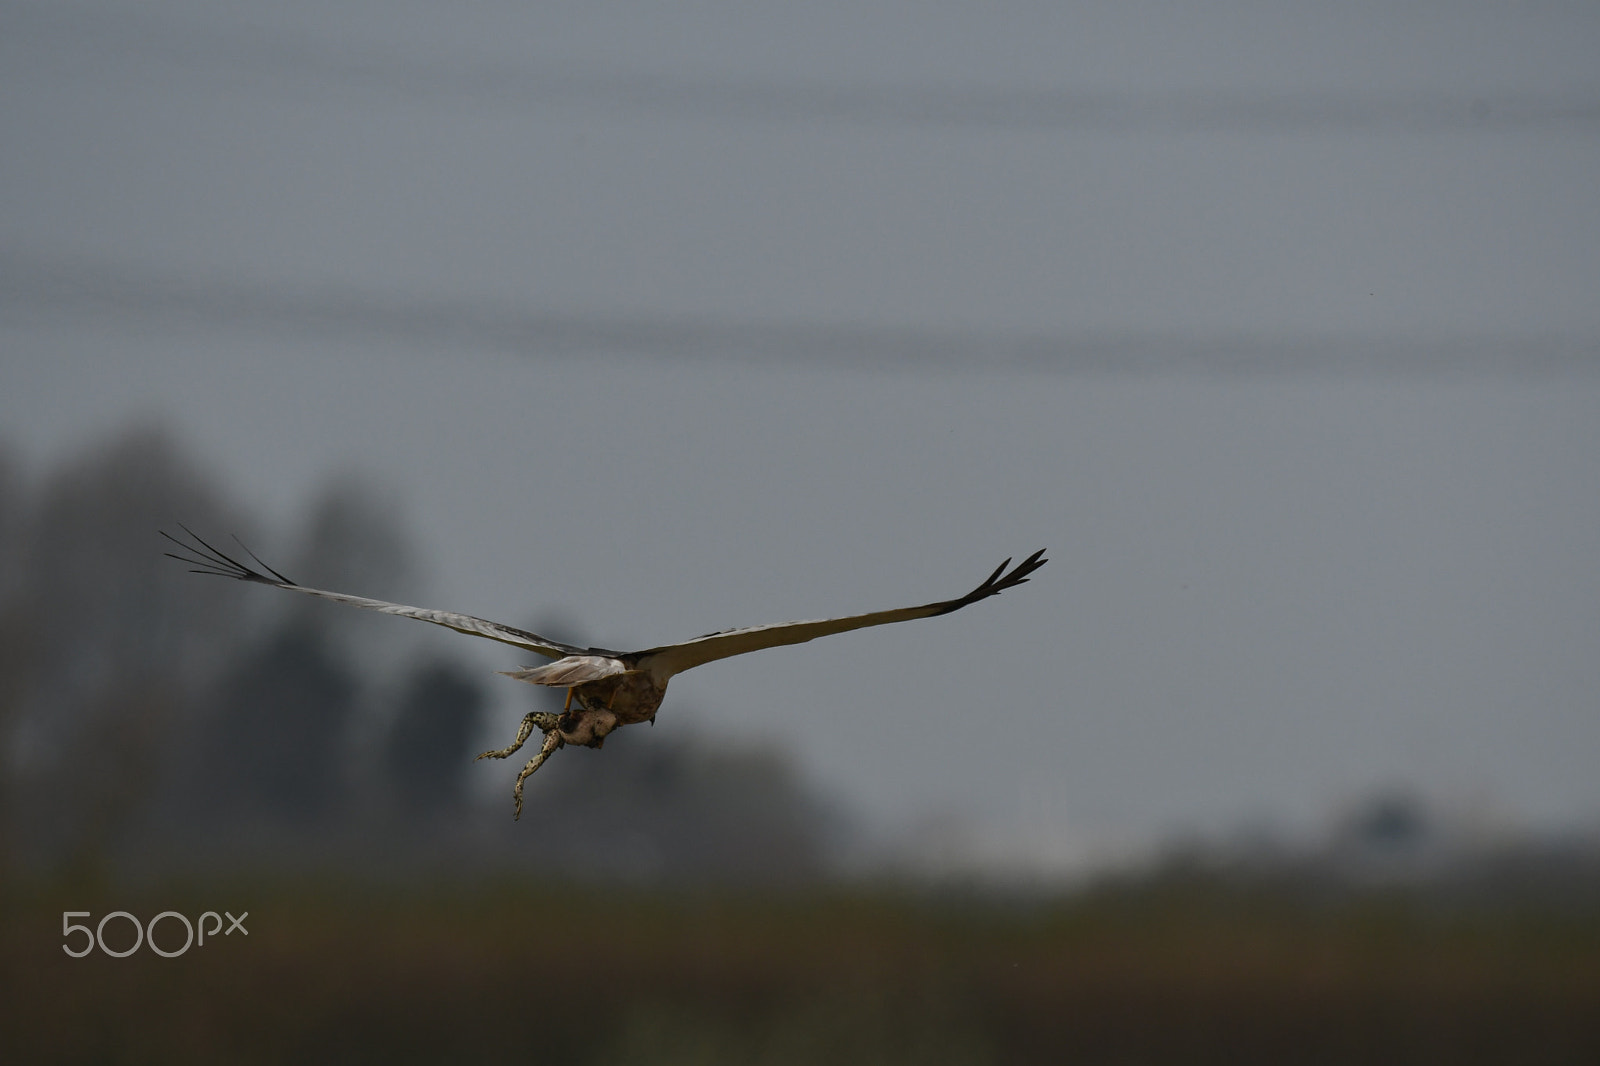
(675, 658)
(204, 559)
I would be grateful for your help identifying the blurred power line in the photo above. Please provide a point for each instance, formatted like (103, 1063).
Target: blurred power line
(112, 40)
(38, 286)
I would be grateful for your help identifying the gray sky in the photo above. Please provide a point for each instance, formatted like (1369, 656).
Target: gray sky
(1277, 323)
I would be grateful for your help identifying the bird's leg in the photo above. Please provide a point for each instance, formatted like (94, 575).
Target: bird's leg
(533, 719)
(552, 742)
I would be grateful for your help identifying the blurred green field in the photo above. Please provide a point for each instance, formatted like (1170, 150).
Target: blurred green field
(525, 972)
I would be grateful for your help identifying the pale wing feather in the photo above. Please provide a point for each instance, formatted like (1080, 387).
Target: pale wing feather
(212, 561)
(461, 623)
(671, 659)
(574, 670)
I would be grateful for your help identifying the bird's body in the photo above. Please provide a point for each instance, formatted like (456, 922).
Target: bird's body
(606, 689)
(605, 704)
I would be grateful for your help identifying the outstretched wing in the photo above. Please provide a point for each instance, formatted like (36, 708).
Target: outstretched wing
(671, 659)
(204, 559)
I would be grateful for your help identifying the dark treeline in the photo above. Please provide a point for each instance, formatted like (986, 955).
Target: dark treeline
(153, 721)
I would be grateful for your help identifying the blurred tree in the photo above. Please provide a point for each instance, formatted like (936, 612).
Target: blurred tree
(105, 607)
(12, 639)
(353, 540)
(11, 523)
(672, 809)
(100, 633)
(124, 679)
(278, 742)
(429, 746)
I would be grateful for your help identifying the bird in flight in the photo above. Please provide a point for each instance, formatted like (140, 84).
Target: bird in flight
(606, 689)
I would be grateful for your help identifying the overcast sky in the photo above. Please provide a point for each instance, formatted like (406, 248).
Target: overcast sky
(1278, 324)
